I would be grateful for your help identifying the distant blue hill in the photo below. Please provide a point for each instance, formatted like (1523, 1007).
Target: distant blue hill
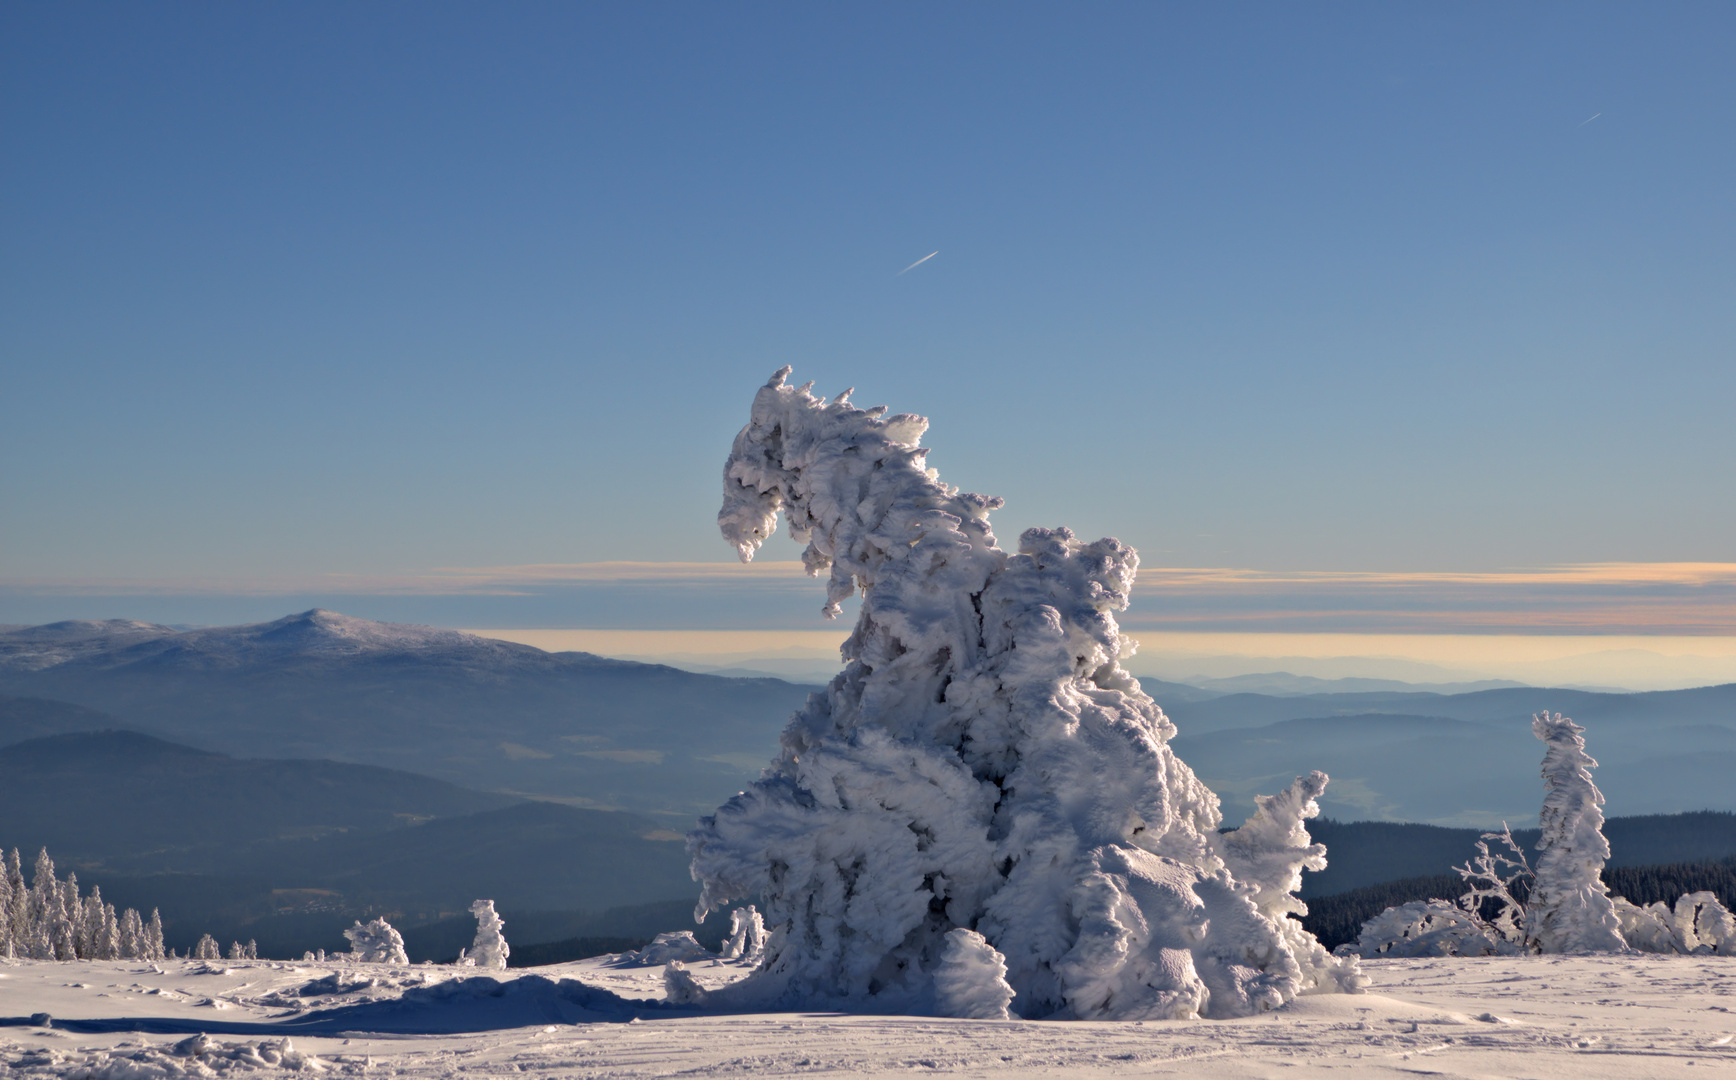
(482, 713)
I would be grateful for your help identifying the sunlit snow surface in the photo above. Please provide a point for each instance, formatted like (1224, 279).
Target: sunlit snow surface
(1580, 1017)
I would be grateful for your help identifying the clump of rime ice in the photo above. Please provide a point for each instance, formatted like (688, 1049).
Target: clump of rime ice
(1570, 909)
(376, 942)
(489, 949)
(982, 762)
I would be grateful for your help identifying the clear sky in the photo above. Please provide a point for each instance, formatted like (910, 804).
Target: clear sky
(317, 289)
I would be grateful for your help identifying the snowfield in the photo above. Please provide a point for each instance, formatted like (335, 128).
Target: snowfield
(1529, 1016)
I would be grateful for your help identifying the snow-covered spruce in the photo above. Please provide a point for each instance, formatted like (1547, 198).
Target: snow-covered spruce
(376, 942)
(982, 763)
(48, 920)
(1570, 909)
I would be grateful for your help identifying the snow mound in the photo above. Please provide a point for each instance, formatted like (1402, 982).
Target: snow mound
(199, 1055)
(983, 762)
(478, 1003)
(671, 946)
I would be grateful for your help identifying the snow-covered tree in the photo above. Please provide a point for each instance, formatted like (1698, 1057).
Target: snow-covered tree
(207, 949)
(17, 912)
(43, 910)
(6, 942)
(747, 935)
(489, 949)
(131, 936)
(1570, 908)
(373, 942)
(153, 949)
(983, 762)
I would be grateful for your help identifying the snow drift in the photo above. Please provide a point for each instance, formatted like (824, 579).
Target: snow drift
(983, 763)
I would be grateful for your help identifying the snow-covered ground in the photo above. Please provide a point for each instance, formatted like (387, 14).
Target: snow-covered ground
(1578, 1017)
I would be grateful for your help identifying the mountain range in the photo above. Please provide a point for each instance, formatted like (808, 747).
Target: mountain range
(600, 733)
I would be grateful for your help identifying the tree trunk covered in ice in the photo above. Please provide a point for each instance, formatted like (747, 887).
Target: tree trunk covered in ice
(983, 763)
(1570, 909)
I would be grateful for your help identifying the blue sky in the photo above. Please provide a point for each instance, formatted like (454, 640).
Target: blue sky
(304, 290)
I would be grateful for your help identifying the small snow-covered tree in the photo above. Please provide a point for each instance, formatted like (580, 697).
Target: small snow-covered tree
(132, 936)
(373, 942)
(6, 939)
(983, 762)
(17, 912)
(489, 949)
(206, 949)
(1570, 908)
(69, 920)
(747, 935)
(107, 943)
(44, 911)
(153, 949)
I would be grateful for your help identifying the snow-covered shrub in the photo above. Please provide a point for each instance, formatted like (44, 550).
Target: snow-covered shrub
(489, 949)
(1491, 878)
(372, 942)
(983, 762)
(680, 987)
(1698, 924)
(1429, 928)
(747, 935)
(1570, 909)
(207, 949)
(669, 947)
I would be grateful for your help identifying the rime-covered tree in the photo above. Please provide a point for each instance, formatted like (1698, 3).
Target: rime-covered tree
(1570, 908)
(207, 949)
(747, 934)
(43, 909)
(372, 942)
(489, 949)
(131, 935)
(17, 912)
(982, 763)
(153, 937)
(71, 916)
(6, 945)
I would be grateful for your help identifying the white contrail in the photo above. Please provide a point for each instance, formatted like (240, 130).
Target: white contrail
(1589, 119)
(916, 264)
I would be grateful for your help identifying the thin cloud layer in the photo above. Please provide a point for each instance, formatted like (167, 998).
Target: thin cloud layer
(1679, 598)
